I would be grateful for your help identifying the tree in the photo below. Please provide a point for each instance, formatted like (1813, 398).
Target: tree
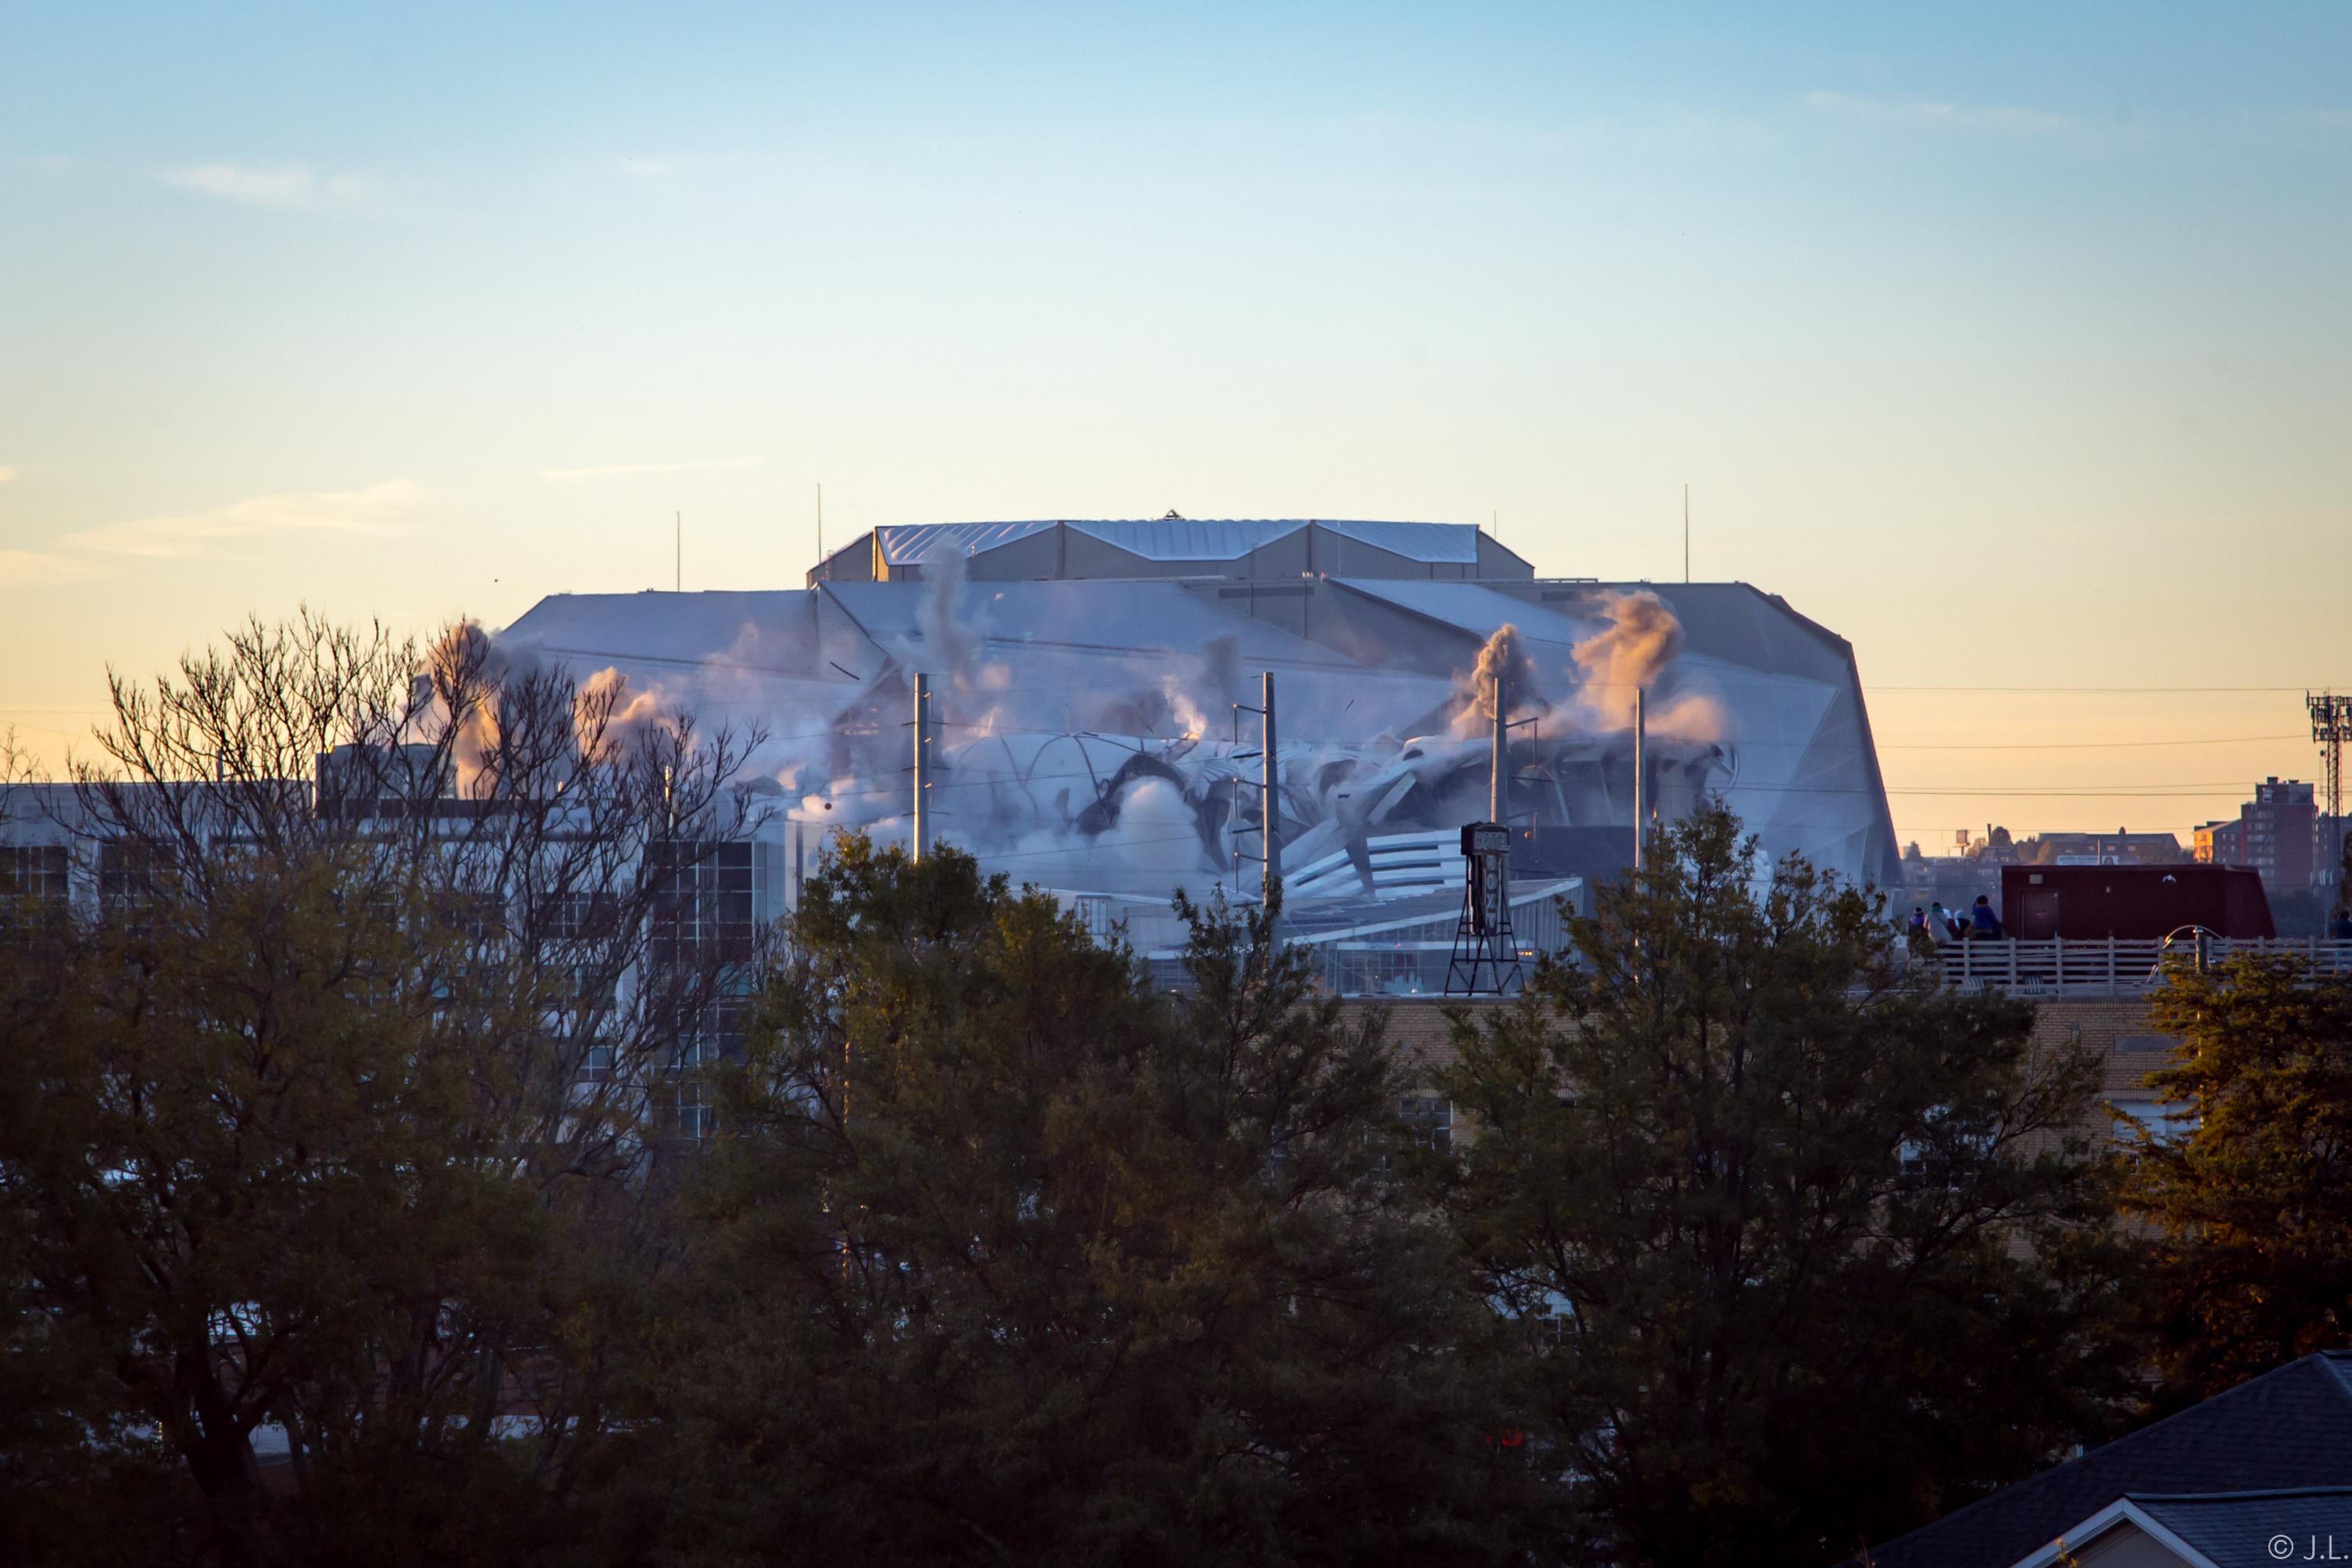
(328, 1101)
(1005, 1257)
(1801, 1253)
(2247, 1177)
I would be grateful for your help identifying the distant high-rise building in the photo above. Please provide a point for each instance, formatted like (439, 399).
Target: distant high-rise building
(2281, 832)
(2277, 833)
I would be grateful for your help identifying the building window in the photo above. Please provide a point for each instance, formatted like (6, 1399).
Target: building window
(1428, 1121)
(2165, 1122)
(38, 871)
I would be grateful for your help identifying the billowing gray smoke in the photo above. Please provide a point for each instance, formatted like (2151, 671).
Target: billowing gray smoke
(952, 637)
(1506, 656)
(1635, 652)
(1203, 688)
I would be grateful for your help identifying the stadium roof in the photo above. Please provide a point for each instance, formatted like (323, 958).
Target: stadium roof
(1172, 546)
(1180, 538)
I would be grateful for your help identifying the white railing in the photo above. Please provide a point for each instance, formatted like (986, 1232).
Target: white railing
(2109, 966)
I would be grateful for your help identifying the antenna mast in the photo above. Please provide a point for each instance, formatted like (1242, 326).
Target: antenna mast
(2331, 726)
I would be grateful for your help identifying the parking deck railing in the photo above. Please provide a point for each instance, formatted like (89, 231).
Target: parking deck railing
(2110, 966)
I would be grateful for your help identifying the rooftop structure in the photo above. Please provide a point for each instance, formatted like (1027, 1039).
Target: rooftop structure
(1173, 546)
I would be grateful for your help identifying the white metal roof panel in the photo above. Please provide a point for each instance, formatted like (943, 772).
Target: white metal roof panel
(911, 544)
(1439, 543)
(1183, 538)
(1189, 539)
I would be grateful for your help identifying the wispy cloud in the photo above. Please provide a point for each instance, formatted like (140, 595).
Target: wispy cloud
(38, 569)
(631, 471)
(290, 187)
(2318, 119)
(1933, 114)
(227, 531)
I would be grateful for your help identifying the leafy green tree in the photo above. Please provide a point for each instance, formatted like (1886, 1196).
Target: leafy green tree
(297, 1137)
(1004, 1256)
(1801, 1254)
(245, 1186)
(2248, 1180)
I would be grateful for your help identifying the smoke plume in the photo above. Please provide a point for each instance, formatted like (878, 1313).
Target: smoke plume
(1203, 688)
(951, 639)
(609, 716)
(1626, 656)
(459, 664)
(1505, 654)
(1636, 651)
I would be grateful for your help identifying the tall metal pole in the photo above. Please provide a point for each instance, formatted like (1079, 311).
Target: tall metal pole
(1496, 883)
(922, 766)
(1641, 777)
(1498, 792)
(1269, 790)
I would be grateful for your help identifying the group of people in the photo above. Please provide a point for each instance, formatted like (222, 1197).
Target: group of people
(1935, 924)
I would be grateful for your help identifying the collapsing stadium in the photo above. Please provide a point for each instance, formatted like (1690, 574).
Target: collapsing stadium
(1091, 685)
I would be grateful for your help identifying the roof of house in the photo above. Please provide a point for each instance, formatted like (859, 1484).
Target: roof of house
(2237, 1530)
(2288, 1429)
(2218, 1529)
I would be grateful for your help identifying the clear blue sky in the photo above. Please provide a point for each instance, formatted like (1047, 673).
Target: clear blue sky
(2015, 345)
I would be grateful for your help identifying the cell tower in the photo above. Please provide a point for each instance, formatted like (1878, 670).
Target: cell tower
(2331, 726)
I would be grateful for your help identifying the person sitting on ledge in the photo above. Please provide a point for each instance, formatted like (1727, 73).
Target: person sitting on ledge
(1916, 934)
(1982, 921)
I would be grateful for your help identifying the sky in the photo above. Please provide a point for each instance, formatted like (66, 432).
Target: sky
(2011, 342)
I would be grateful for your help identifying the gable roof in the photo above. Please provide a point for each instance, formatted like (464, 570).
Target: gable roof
(2222, 1529)
(2288, 1429)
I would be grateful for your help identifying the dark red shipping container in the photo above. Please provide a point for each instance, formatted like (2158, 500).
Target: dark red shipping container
(2038, 903)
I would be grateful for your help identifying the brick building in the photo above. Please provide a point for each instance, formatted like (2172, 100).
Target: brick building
(2278, 832)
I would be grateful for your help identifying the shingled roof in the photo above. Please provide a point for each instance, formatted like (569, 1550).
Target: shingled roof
(2288, 1429)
